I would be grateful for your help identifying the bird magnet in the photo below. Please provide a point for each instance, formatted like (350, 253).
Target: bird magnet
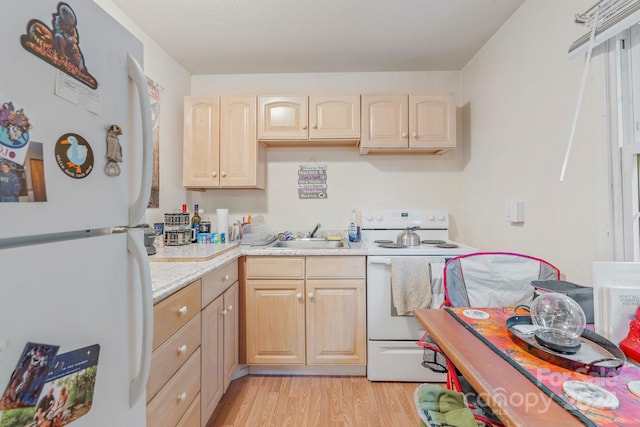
(60, 44)
(74, 155)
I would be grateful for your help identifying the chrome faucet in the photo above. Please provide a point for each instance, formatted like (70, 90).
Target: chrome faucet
(315, 230)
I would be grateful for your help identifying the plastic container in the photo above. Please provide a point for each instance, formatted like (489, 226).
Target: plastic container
(354, 232)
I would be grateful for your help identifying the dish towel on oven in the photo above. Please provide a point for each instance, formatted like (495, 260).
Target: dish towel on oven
(410, 283)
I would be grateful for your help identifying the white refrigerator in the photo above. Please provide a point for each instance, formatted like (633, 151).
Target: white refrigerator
(75, 288)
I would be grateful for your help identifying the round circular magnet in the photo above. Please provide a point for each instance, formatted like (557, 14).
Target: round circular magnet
(590, 394)
(634, 387)
(475, 314)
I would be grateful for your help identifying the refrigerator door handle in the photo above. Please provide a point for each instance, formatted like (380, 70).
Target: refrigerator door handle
(137, 209)
(138, 386)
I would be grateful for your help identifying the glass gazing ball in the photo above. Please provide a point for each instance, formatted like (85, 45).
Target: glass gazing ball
(559, 314)
(561, 321)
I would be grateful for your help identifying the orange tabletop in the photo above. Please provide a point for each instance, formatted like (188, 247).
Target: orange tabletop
(512, 397)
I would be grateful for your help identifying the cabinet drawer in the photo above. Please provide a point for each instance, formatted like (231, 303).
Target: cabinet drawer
(192, 417)
(216, 282)
(173, 400)
(275, 267)
(336, 266)
(172, 354)
(173, 312)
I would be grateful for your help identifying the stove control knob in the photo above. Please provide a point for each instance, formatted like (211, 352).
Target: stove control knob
(431, 218)
(441, 218)
(369, 218)
(379, 218)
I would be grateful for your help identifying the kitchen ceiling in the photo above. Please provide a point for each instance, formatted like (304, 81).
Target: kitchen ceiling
(302, 36)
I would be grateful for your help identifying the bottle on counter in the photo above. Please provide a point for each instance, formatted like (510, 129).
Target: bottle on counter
(353, 227)
(195, 224)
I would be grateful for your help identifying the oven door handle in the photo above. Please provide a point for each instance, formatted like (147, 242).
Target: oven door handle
(379, 260)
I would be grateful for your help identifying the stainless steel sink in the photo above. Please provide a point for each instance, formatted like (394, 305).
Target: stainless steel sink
(310, 244)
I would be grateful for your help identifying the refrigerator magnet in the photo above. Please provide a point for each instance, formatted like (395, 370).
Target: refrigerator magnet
(114, 151)
(59, 45)
(29, 377)
(14, 132)
(74, 155)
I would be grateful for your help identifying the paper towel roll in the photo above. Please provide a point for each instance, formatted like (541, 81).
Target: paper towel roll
(222, 220)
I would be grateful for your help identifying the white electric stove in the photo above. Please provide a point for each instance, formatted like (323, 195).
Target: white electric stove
(393, 354)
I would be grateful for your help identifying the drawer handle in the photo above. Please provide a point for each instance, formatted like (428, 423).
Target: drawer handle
(226, 277)
(182, 397)
(182, 349)
(183, 310)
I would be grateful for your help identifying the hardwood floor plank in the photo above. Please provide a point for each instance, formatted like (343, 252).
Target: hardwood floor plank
(315, 401)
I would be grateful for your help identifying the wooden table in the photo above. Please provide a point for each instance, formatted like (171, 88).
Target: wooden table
(512, 397)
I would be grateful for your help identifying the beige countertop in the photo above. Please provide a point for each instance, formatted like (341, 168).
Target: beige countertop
(174, 267)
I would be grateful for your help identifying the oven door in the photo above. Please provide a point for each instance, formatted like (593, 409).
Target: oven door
(383, 322)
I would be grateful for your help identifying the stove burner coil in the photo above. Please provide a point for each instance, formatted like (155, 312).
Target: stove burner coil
(447, 245)
(383, 241)
(392, 245)
(432, 242)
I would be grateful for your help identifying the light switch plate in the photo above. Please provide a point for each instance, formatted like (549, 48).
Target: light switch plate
(514, 212)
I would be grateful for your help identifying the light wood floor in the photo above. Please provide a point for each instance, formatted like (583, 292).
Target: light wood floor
(303, 401)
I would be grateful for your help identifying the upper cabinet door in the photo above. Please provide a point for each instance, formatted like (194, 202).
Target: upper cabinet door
(283, 117)
(201, 145)
(241, 158)
(384, 121)
(432, 121)
(334, 117)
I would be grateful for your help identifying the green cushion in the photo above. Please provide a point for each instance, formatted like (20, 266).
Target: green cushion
(443, 406)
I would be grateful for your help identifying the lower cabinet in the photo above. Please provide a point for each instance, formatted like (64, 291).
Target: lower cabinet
(195, 350)
(219, 335)
(173, 388)
(305, 310)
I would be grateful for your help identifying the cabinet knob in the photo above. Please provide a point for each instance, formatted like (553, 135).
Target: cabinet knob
(182, 397)
(230, 307)
(182, 349)
(223, 174)
(304, 127)
(224, 312)
(315, 126)
(183, 310)
(226, 277)
(214, 173)
(414, 135)
(299, 296)
(404, 134)
(310, 295)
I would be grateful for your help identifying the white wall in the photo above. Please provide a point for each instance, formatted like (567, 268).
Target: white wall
(516, 100)
(175, 80)
(519, 96)
(354, 181)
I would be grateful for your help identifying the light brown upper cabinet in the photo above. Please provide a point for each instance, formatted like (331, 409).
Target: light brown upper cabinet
(220, 146)
(408, 123)
(309, 120)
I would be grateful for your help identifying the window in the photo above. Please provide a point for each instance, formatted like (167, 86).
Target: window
(623, 64)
